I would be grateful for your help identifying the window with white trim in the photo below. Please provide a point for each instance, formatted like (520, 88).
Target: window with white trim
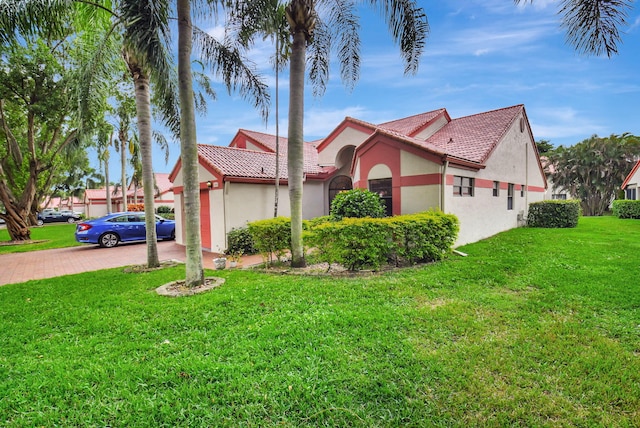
(462, 186)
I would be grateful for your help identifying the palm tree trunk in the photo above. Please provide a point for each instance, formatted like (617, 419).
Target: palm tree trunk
(295, 155)
(189, 150)
(106, 176)
(277, 188)
(123, 174)
(143, 110)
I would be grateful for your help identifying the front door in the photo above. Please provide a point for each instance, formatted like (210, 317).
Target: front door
(205, 219)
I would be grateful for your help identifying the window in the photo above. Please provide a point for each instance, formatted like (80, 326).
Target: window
(522, 187)
(510, 196)
(384, 189)
(630, 193)
(496, 188)
(337, 185)
(462, 186)
(559, 196)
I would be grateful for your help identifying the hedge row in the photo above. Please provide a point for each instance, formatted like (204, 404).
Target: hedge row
(359, 243)
(554, 213)
(626, 208)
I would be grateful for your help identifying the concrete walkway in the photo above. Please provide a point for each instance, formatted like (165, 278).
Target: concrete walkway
(20, 267)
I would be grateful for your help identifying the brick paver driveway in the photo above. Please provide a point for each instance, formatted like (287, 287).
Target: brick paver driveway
(20, 267)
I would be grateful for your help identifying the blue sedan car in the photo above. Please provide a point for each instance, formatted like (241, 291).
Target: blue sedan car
(111, 229)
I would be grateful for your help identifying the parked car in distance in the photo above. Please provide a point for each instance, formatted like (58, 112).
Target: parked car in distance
(114, 228)
(69, 212)
(48, 216)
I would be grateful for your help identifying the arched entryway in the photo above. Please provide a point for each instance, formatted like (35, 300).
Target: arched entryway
(339, 184)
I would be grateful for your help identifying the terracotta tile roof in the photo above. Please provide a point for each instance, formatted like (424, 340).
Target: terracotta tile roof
(410, 125)
(163, 183)
(269, 141)
(474, 137)
(234, 162)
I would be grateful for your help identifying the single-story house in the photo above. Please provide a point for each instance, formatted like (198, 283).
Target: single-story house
(72, 203)
(631, 184)
(95, 200)
(484, 168)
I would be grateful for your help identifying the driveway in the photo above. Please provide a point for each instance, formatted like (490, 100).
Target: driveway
(20, 267)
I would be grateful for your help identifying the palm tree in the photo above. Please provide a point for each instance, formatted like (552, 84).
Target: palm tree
(593, 26)
(332, 22)
(194, 274)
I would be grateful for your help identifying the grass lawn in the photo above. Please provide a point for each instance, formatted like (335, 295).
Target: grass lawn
(536, 327)
(51, 235)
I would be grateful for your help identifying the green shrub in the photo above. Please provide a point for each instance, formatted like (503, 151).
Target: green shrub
(423, 237)
(626, 208)
(240, 241)
(357, 203)
(163, 209)
(555, 213)
(360, 243)
(271, 236)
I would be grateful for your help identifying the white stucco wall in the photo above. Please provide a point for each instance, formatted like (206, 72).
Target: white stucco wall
(483, 215)
(634, 183)
(348, 137)
(419, 198)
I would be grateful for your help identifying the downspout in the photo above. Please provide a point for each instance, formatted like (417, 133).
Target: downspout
(443, 184)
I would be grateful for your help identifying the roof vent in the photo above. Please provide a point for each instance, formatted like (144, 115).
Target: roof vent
(450, 141)
(262, 170)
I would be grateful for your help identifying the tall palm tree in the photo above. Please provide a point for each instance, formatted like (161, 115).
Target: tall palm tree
(320, 25)
(593, 26)
(194, 274)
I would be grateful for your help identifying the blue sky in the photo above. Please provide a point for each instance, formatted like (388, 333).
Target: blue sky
(481, 55)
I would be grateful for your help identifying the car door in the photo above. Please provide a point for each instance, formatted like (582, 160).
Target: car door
(139, 232)
(122, 227)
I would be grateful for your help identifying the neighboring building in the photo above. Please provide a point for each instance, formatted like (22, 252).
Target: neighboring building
(483, 168)
(73, 203)
(95, 200)
(553, 192)
(631, 184)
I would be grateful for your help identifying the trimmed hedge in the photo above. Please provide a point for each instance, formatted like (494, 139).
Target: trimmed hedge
(271, 236)
(626, 208)
(368, 242)
(554, 213)
(240, 241)
(357, 203)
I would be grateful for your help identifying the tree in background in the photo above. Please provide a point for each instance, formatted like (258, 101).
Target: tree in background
(37, 104)
(544, 147)
(594, 169)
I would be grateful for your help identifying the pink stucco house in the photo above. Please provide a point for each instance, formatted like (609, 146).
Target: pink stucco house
(484, 168)
(95, 200)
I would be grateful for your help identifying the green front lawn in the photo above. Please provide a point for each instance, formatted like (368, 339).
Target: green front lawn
(51, 235)
(536, 327)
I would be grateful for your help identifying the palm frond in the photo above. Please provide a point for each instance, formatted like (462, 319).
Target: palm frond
(318, 59)
(237, 72)
(592, 26)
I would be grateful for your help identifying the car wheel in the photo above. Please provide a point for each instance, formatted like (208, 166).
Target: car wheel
(173, 235)
(108, 240)
(70, 220)
(40, 222)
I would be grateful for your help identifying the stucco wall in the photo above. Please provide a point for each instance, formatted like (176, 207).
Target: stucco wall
(483, 215)
(348, 137)
(634, 183)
